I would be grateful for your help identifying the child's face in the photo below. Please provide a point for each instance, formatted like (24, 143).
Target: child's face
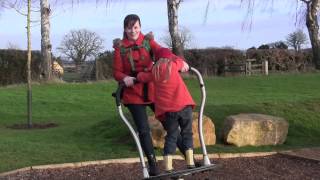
(133, 32)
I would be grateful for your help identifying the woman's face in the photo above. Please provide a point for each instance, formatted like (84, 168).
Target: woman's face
(133, 31)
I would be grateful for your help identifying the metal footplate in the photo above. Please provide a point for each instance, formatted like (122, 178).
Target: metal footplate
(185, 172)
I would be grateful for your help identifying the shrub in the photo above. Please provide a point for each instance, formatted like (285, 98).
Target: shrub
(282, 59)
(211, 61)
(104, 65)
(13, 65)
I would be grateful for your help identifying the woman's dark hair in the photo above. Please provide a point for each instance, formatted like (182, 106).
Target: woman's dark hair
(129, 21)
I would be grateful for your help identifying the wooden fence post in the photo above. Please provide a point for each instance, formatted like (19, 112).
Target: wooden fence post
(265, 67)
(248, 67)
(97, 70)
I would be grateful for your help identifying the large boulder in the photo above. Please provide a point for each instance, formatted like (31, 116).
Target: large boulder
(255, 130)
(158, 133)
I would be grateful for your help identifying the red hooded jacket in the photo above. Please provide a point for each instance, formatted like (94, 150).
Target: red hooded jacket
(143, 63)
(171, 93)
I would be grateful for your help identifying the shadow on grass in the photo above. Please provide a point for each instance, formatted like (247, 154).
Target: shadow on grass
(33, 126)
(109, 132)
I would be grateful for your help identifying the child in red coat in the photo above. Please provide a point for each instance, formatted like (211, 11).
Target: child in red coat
(173, 103)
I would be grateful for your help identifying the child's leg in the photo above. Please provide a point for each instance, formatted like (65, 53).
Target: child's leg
(179, 143)
(179, 138)
(185, 122)
(171, 126)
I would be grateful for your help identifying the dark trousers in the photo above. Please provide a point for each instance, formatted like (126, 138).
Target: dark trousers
(173, 121)
(140, 118)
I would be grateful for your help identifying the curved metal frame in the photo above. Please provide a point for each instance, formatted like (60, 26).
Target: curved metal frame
(206, 160)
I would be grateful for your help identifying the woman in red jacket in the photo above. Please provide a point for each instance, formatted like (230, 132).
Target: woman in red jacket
(173, 104)
(131, 57)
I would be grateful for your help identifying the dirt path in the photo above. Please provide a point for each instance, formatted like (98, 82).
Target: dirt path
(277, 166)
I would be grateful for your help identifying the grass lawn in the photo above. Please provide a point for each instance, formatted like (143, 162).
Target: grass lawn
(90, 128)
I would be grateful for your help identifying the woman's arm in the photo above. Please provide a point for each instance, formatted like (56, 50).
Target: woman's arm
(177, 63)
(144, 77)
(118, 67)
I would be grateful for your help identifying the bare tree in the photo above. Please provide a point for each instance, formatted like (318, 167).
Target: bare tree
(45, 41)
(79, 45)
(312, 8)
(13, 46)
(313, 28)
(297, 39)
(173, 7)
(18, 6)
(29, 66)
(185, 37)
(44, 9)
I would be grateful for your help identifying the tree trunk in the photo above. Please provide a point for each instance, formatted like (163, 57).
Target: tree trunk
(29, 93)
(313, 29)
(45, 41)
(173, 6)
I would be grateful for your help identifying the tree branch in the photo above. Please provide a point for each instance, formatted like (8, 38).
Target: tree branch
(306, 1)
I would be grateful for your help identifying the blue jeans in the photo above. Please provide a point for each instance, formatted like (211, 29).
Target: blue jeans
(174, 120)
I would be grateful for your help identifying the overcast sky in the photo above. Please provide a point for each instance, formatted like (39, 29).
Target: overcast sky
(221, 28)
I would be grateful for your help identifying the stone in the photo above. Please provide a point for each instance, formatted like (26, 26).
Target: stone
(254, 130)
(158, 133)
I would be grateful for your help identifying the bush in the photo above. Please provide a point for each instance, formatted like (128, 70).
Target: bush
(104, 65)
(212, 61)
(282, 59)
(13, 66)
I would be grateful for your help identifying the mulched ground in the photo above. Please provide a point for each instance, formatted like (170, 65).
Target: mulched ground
(255, 168)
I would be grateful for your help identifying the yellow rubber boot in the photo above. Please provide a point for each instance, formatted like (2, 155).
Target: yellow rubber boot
(190, 159)
(168, 163)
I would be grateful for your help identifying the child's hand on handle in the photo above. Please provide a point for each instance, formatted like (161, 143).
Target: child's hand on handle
(185, 67)
(129, 81)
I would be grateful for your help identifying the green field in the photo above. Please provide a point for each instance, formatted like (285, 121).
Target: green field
(90, 128)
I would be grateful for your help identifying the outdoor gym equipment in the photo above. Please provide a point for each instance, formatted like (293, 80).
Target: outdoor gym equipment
(175, 174)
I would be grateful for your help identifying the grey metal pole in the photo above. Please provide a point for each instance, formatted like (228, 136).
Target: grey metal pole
(206, 160)
(132, 131)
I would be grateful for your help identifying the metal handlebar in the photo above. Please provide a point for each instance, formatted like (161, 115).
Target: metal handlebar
(206, 160)
(117, 94)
